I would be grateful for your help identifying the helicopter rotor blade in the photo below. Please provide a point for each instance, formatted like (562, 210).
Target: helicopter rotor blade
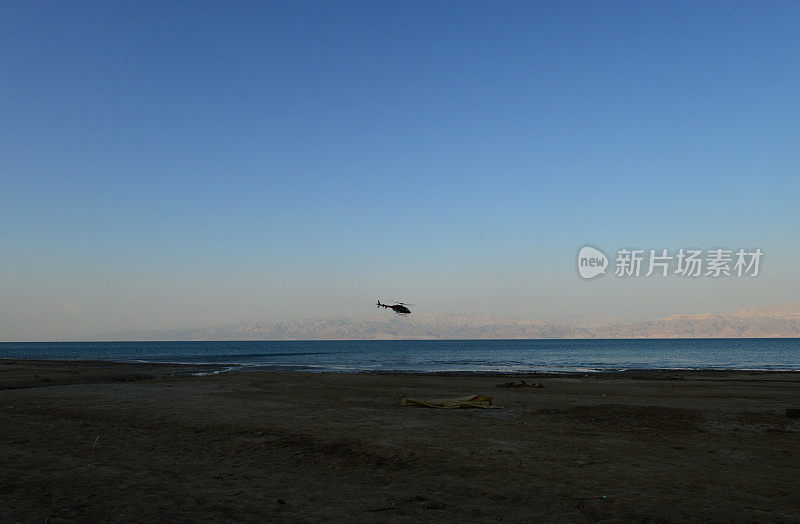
(399, 303)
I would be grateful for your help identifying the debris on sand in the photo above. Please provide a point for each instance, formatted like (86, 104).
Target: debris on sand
(471, 401)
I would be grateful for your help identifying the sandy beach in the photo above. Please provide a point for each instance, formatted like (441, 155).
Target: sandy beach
(87, 441)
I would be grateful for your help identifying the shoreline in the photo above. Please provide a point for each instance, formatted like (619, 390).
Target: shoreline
(231, 367)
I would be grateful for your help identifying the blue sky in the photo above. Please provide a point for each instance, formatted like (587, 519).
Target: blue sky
(169, 165)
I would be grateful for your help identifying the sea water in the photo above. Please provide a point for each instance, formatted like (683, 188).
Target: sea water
(561, 355)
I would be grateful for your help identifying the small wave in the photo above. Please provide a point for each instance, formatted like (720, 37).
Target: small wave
(238, 357)
(217, 371)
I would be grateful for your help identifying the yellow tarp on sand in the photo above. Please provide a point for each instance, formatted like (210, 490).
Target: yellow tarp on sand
(471, 401)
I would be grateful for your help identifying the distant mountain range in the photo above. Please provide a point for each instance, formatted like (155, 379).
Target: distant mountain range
(752, 322)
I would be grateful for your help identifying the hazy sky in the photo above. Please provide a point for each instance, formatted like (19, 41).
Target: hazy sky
(179, 164)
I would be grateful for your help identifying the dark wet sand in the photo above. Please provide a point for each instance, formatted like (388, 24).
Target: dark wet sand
(89, 441)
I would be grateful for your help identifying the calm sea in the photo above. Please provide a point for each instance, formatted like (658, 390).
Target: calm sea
(440, 355)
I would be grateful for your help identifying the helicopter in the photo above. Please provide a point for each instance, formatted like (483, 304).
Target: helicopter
(398, 307)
